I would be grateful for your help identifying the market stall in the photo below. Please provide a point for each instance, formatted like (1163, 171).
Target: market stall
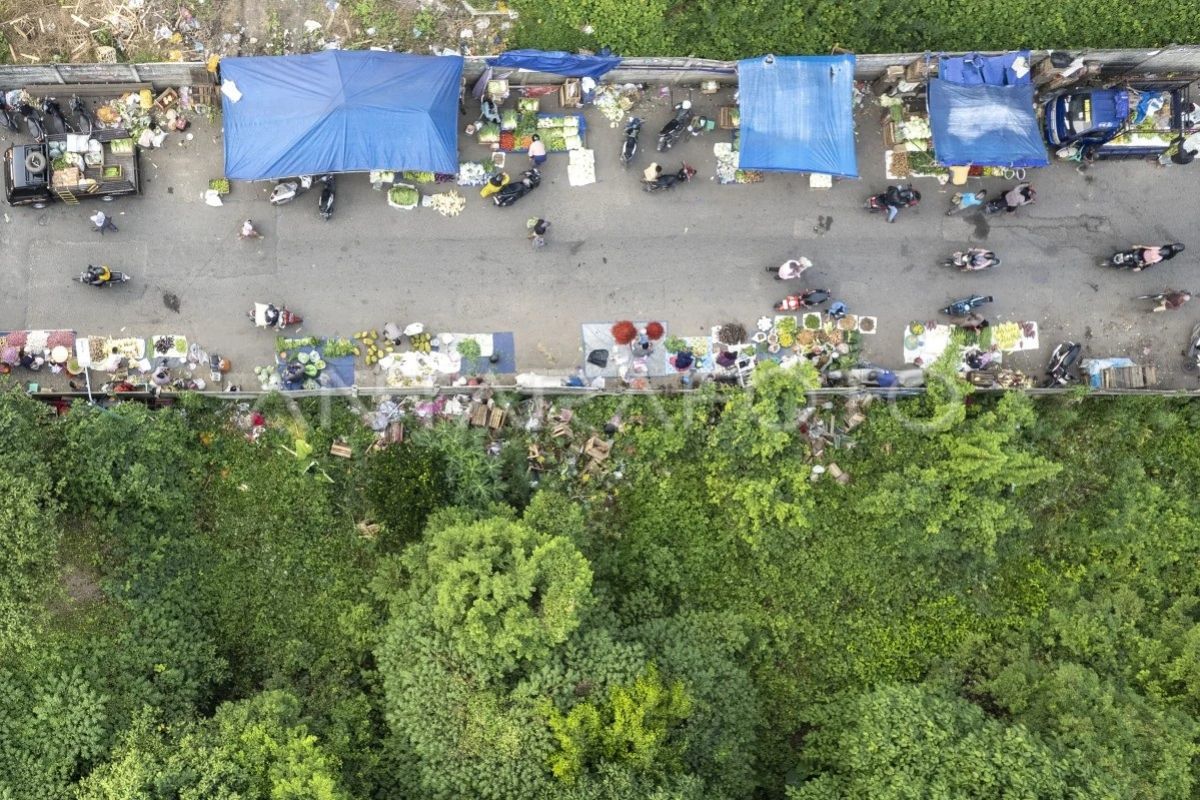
(627, 349)
(981, 112)
(924, 342)
(339, 111)
(796, 114)
(34, 349)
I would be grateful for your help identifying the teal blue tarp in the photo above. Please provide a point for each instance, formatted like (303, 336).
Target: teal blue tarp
(340, 111)
(797, 114)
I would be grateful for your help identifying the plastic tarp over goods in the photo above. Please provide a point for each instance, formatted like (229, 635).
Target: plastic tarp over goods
(557, 63)
(981, 112)
(339, 111)
(797, 114)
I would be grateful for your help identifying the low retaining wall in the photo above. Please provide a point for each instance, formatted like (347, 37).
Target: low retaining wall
(1174, 60)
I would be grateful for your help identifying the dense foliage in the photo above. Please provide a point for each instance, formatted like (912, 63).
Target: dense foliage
(1002, 602)
(732, 29)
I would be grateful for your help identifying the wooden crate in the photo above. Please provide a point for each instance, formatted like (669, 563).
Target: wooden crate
(725, 118)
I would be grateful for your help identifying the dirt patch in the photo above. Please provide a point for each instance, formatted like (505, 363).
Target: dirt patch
(81, 586)
(80, 31)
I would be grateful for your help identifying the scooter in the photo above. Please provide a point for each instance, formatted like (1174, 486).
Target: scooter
(673, 131)
(629, 147)
(998, 204)
(963, 307)
(36, 129)
(1192, 354)
(51, 110)
(266, 315)
(8, 116)
(909, 198)
(668, 180)
(288, 190)
(964, 260)
(1062, 362)
(1133, 257)
(515, 191)
(83, 118)
(809, 298)
(91, 277)
(325, 204)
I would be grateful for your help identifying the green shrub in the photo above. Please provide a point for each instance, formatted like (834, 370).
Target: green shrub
(405, 483)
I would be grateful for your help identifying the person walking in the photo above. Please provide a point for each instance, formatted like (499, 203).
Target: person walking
(537, 151)
(102, 222)
(248, 231)
(537, 232)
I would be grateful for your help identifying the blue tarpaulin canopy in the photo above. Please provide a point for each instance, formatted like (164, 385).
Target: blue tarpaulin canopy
(797, 114)
(556, 62)
(981, 112)
(340, 111)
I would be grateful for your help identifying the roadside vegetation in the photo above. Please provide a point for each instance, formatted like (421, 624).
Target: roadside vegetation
(732, 29)
(1002, 602)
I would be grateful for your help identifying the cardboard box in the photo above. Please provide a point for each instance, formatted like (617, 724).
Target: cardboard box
(570, 94)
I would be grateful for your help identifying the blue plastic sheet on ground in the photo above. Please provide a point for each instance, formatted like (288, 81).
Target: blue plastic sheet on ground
(340, 111)
(797, 114)
(556, 63)
(994, 126)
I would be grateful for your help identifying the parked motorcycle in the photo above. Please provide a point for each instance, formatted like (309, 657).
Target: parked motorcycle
(809, 298)
(673, 131)
(1135, 257)
(102, 276)
(669, 180)
(1060, 372)
(32, 122)
(325, 204)
(973, 260)
(515, 191)
(629, 146)
(52, 111)
(266, 315)
(84, 123)
(288, 190)
(963, 307)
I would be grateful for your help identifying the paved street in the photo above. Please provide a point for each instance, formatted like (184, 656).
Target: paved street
(693, 257)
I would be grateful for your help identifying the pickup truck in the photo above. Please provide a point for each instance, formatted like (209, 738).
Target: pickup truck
(1101, 121)
(36, 174)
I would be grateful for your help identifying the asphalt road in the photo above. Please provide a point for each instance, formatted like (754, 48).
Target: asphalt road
(693, 257)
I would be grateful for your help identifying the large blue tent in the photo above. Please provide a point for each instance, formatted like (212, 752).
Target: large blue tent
(797, 114)
(340, 111)
(981, 112)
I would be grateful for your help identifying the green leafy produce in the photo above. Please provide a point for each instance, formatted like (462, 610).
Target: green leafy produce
(336, 348)
(419, 176)
(219, 185)
(489, 133)
(403, 196)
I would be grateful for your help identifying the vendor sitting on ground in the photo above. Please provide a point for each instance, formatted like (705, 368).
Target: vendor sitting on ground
(489, 111)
